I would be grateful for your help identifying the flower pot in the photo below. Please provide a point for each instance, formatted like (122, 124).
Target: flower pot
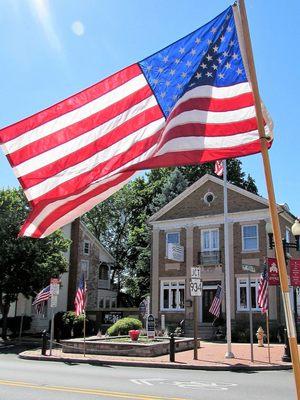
(134, 335)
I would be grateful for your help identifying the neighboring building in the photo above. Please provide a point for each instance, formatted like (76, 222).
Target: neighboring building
(87, 256)
(195, 220)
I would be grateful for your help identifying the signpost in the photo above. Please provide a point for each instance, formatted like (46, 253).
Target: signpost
(249, 269)
(54, 292)
(150, 327)
(196, 291)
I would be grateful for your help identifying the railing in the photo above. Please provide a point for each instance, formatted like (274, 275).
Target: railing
(103, 284)
(212, 257)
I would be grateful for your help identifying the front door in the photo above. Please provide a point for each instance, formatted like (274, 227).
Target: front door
(208, 295)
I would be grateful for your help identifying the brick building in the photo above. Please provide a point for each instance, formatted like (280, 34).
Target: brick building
(195, 220)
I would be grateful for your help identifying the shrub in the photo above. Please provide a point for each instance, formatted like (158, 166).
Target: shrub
(14, 323)
(123, 326)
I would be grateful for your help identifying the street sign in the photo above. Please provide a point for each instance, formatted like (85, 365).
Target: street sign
(248, 268)
(196, 272)
(295, 272)
(196, 287)
(53, 301)
(150, 327)
(273, 272)
(54, 287)
(143, 307)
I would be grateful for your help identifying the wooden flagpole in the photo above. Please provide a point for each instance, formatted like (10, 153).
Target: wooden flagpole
(290, 323)
(268, 335)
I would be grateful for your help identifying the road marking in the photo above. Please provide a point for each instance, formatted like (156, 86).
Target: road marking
(96, 392)
(185, 384)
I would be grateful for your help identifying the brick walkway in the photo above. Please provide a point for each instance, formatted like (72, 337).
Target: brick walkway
(210, 355)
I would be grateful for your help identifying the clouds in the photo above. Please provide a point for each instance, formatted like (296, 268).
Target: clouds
(77, 28)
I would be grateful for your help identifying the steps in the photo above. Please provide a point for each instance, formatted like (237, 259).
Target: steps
(205, 330)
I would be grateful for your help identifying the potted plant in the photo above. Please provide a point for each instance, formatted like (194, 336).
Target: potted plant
(134, 334)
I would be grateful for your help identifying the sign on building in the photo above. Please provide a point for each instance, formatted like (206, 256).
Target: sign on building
(248, 268)
(175, 252)
(110, 317)
(295, 272)
(54, 287)
(273, 272)
(53, 301)
(196, 287)
(196, 272)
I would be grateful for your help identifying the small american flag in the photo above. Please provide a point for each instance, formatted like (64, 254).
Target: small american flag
(189, 103)
(219, 169)
(215, 307)
(41, 298)
(263, 294)
(80, 297)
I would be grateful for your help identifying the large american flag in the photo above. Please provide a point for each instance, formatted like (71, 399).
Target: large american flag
(41, 298)
(215, 308)
(189, 103)
(80, 297)
(263, 293)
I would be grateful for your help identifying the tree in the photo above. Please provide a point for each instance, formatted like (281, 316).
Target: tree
(26, 264)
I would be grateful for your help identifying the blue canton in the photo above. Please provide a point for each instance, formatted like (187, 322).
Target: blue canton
(209, 56)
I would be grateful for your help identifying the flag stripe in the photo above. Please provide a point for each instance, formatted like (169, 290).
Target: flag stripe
(27, 125)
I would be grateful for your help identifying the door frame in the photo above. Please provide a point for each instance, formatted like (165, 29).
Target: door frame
(205, 287)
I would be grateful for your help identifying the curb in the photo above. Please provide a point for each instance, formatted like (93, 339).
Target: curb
(237, 367)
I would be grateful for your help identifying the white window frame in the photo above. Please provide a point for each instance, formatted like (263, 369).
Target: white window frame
(239, 284)
(107, 300)
(203, 231)
(87, 263)
(167, 235)
(243, 238)
(163, 286)
(103, 299)
(86, 253)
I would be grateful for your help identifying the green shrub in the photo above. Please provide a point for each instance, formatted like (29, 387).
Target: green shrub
(123, 326)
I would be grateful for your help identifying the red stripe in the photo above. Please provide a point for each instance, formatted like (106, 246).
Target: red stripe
(199, 156)
(68, 206)
(70, 104)
(91, 149)
(72, 131)
(82, 181)
(216, 105)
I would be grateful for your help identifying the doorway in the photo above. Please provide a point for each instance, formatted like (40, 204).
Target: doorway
(208, 294)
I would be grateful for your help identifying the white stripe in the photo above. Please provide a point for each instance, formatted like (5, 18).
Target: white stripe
(214, 92)
(83, 140)
(200, 143)
(210, 117)
(77, 115)
(69, 217)
(89, 164)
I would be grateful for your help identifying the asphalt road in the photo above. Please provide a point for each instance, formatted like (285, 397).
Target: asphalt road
(39, 380)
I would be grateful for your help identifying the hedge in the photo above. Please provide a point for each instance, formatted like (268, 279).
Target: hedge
(123, 326)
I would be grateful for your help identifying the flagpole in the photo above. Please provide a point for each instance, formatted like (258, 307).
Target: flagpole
(290, 323)
(229, 353)
(268, 335)
(84, 327)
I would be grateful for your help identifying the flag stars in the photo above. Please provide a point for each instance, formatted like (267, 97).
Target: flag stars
(215, 67)
(222, 38)
(221, 76)
(213, 30)
(165, 59)
(231, 43)
(193, 52)
(148, 68)
(163, 95)
(227, 65)
(198, 40)
(215, 48)
(208, 57)
(188, 64)
(235, 56)
(229, 29)
(177, 61)
(220, 60)
(179, 85)
(208, 74)
(227, 17)
(182, 50)
(160, 70)
(203, 66)
(198, 75)
(174, 97)
(225, 54)
(168, 83)
(239, 71)
(209, 41)
(183, 75)
(172, 72)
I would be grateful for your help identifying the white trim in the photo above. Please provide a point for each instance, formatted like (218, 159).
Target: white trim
(169, 281)
(202, 239)
(257, 238)
(88, 252)
(87, 264)
(166, 238)
(246, 286)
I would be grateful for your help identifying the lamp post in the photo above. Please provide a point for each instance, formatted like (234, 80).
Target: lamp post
(286, 246)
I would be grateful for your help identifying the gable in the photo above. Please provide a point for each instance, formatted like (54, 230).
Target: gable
(193, 205)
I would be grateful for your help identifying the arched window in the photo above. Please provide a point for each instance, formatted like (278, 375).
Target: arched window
(104, 272)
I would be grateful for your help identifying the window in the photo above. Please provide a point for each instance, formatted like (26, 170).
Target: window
(103, 272)
(85, 268)
(243, 296)
(287, 235)
(86, 247)
(107, 302)
(172, 295)
(210, 239)
(250, 237)
(101, 302)
(172, 237)
(209, 198)
(113, 302)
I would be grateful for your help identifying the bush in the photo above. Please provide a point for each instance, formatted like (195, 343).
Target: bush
(123, 326)
(14, 323)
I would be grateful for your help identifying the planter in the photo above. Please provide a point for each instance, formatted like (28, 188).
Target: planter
(134, 335)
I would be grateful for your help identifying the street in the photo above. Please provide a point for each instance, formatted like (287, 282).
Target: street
(34, 380)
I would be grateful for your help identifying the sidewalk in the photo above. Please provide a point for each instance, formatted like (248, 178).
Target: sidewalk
(211, 356)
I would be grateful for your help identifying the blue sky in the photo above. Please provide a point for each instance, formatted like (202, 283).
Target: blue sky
(52, 49)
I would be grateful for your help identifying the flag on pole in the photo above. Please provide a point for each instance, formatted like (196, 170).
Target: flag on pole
(41, 299)
(219, 169)
(80, 297)
(188, 103)
(215, 308)
(262, 293)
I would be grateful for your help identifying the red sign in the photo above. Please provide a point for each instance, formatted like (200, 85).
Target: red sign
(295, 272)
(273, 272)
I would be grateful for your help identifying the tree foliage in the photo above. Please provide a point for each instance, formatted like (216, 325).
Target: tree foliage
(120, 222)
(26, 265)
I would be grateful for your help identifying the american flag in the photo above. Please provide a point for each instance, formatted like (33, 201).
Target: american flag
(215, 307)
(80, 297)
(188, 103)
(41, 298)
(262, 293)
(219, 169)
